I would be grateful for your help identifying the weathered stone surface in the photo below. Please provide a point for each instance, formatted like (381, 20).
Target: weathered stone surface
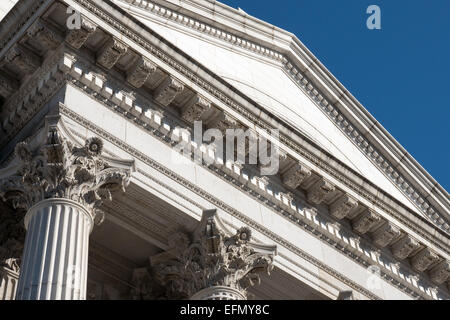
(168, 90)
(211, 258)
(424, 259)
(140, 72)
(342, 206)
(195, 108)
(441, 272)
(295, 175)
(77, 37)
(384, 235)
(111, 52)
(404, 247)
(318, 191)
(365, 221)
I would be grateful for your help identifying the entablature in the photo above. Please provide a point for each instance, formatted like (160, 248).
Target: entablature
(149, 87)
(226, 26)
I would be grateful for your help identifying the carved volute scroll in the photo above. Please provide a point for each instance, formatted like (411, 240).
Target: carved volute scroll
(211, 257)
(58, 168)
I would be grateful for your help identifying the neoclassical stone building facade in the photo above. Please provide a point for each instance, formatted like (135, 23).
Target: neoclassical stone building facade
(98, 202)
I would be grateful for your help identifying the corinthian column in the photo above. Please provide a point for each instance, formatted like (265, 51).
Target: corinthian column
(61, 185)
(211, 263)
(54, 263)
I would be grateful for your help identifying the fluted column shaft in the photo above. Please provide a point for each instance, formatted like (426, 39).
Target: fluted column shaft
(55, 258)
(219, 293)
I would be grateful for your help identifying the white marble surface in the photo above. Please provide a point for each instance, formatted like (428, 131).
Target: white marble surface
(161, 153)
(257, 79)
(268, 85)
(55, 259)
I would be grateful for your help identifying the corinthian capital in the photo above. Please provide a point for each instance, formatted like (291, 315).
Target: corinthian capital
(211, 257)
(58, 168)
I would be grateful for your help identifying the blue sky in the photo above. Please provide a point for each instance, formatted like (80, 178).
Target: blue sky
(400, 73)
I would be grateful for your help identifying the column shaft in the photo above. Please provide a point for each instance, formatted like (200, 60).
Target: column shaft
(54, 264)
(219, 293)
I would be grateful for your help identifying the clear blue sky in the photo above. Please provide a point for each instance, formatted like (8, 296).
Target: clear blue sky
(400, 73)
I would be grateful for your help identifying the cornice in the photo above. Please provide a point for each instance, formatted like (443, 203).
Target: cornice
(230, 102)
(215, 201)
(162, 11)
(84, 79)
(366, 147)
(340, 107)
(78, 76)
(334, 112)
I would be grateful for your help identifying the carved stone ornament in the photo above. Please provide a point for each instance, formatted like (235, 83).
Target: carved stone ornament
(342, 206)
(111, 52)
(195, 108)
(59, 168)
(78, 36)
(318, 192)
(168, 90)
(441, 272)
(140, 72)
(295, 175)
(211, 257)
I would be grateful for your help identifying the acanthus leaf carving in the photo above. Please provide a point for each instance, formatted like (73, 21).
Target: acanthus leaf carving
(225, 121)
(23, 59)
(441, 272)
(111, 53)
(424, 259)
(404, 247)
(386, 234)
(60, 169)
(77, 37)
(211, 257)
